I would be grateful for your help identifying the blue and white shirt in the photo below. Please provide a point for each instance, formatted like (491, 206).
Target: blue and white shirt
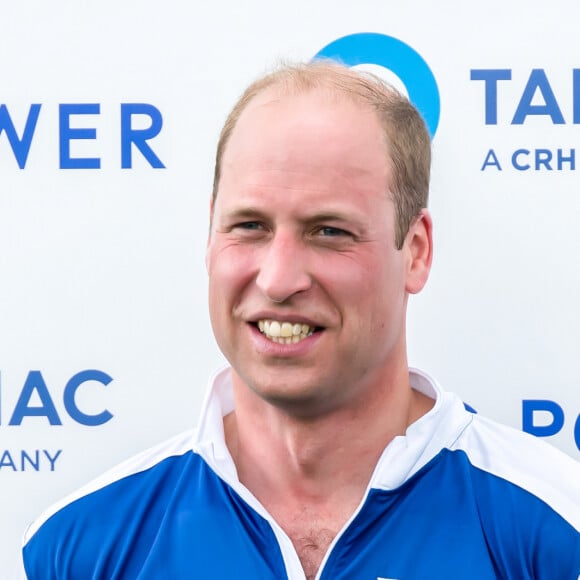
(457, 497)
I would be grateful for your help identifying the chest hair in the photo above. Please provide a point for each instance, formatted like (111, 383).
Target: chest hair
(311, 546)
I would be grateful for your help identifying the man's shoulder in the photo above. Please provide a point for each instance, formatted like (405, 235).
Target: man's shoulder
(526, 463)
(143, 462)
(128, 497)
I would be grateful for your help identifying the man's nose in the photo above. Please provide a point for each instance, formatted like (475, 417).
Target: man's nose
(282, 269)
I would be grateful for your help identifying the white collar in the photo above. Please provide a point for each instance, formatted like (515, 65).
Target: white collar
(403, 456)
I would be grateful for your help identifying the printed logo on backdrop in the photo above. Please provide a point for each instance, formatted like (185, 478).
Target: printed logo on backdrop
(36, 403)
(396, 56)
(539, 103)
(545, 417)
(76, 127)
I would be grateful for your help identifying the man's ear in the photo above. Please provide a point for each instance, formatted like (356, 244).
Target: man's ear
(418, 247)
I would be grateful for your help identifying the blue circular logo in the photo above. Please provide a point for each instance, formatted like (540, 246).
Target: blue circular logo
(398, 57)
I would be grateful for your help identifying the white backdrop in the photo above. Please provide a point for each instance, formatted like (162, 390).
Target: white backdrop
(102, 268)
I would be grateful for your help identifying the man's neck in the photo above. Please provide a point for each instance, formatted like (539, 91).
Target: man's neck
(311, 475)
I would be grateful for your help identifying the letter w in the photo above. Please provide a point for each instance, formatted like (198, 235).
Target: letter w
(20, 146)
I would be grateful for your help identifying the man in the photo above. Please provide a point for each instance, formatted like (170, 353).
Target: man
(319, 453)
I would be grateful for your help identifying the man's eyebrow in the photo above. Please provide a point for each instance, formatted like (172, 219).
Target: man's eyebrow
(338, 216)
(341, 217)
(245, 213)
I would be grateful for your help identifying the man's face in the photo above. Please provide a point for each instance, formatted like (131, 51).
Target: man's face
(302, 246)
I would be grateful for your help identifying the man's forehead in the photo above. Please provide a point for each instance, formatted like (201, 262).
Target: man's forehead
(309, 118)
(292, 142)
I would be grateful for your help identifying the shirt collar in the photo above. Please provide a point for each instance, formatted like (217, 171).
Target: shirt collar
(402, 458)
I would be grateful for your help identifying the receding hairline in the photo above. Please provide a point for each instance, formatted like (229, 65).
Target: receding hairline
(328, 78)
(292, 79)
(331, 79)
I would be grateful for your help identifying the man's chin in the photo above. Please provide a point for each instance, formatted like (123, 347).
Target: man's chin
(300, 400)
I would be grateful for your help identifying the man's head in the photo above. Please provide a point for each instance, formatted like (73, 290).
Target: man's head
(308, 290)
(407, 141)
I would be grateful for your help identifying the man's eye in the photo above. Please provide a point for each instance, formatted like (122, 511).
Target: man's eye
(249, 226)
(329, 231)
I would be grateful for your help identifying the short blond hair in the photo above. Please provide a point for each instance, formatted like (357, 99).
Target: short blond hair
(408, 143)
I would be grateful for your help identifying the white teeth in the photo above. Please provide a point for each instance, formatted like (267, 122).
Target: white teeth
(274, 329)
(284, 332)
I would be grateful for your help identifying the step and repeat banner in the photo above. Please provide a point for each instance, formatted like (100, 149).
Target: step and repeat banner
(109, 117)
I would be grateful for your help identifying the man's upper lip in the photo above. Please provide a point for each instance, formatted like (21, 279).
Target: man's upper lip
(283, 317)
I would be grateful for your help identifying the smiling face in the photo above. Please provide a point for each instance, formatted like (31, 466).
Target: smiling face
(307, 291)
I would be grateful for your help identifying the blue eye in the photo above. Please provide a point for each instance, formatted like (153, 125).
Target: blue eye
(249, 225)
(332, 232)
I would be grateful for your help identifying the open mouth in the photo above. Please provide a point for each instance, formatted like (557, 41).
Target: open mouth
(284, 332)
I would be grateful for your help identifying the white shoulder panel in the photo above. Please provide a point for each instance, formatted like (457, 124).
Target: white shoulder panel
(527, 462)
